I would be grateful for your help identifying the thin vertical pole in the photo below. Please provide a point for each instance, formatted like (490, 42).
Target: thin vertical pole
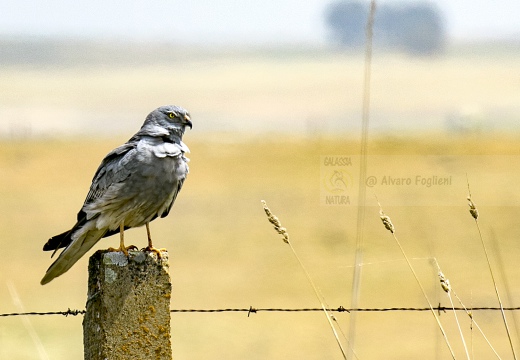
(356, 282)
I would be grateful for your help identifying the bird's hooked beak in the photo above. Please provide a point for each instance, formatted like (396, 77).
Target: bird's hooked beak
(187, 121)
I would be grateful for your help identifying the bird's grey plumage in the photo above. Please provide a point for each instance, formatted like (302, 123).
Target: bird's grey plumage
(135, 183)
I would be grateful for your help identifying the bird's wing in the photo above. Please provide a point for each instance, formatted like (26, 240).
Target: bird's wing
(115, 167)
(177, 190)
(111, 170)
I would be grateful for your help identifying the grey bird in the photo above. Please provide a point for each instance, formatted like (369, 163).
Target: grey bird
(135, 183)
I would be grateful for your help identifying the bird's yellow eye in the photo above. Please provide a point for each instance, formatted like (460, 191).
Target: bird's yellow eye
(171, 115)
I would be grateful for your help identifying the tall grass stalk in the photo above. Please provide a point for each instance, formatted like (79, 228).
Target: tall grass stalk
(446, 286)
(390, 227)
(474, 213)
(471, 322)
(495, 248)
(358, 260)
(285, 237)
(474, 322)
(26, 322)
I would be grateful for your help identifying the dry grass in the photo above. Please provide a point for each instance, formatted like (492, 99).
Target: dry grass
(222, 252)
(224, 255)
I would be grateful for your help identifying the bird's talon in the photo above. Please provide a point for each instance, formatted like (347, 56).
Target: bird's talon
(154, 250)
(123, 249)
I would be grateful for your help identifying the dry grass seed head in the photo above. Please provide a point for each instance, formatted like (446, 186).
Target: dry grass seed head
(276, 223)
(445, 283)
(386, 221)
(472, 208)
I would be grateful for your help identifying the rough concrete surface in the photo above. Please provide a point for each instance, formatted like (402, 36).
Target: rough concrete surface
(128, 307)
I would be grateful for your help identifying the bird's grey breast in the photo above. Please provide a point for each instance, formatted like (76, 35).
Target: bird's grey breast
(162, 167)
(156, 172)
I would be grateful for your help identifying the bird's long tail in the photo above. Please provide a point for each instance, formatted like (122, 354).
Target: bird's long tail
(81, 241)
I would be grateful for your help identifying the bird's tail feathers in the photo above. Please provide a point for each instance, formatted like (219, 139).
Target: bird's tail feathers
(59, 241)
(80, 242)
(64, 239)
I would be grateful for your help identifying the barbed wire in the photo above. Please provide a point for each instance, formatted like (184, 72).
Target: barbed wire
(253, 310)
(65, 313)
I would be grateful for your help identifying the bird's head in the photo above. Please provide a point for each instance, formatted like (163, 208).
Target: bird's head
(172, 116)
(169, 120)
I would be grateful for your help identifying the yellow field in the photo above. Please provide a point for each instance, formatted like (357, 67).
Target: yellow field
(225, 254)
(259, 134)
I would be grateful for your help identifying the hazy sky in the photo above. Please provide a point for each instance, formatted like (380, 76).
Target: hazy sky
(227, 21)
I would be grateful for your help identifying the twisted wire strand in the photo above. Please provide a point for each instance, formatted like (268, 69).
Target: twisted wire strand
(253, 310)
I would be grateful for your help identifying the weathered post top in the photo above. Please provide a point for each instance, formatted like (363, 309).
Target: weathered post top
(128, 307)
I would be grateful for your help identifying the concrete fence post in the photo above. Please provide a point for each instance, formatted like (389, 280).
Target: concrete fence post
(128, 307)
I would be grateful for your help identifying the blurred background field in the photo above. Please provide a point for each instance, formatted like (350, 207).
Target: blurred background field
(266, 113)
(305, 91)
(225, 254)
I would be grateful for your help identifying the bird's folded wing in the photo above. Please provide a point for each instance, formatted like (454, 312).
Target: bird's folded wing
(115, 167)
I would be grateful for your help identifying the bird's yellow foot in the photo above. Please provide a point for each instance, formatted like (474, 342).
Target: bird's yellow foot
(124, 249)
(154, 250)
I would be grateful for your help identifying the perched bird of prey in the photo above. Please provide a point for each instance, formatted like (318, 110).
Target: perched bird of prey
(135, 183)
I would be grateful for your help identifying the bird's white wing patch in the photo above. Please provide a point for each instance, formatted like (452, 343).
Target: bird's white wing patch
(184, 147)
(167, 149)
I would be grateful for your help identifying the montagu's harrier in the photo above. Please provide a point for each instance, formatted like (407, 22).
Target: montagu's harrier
(135, 183)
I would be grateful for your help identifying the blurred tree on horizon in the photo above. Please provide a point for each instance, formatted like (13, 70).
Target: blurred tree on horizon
(417, 29)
